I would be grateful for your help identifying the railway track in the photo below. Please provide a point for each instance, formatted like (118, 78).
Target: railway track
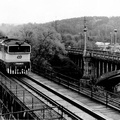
(37, 108)
(33, 96)
(88, 109)
(46, 97)
(95, 106)
(70, 109)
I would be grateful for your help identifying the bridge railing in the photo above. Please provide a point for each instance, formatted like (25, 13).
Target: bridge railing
(85, 87)
(92, 51)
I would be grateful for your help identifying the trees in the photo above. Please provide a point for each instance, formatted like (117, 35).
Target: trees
(63, 65)
(47, 46)
(2, 34)
(50, 39)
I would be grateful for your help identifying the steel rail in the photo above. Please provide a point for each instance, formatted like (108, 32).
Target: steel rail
(89, 92)
(53, 102)
(87, 110)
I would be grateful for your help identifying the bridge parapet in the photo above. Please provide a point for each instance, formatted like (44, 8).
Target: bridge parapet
(95, 62)
(105, 55)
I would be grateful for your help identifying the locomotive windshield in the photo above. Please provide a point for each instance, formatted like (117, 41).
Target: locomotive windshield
(19, 48)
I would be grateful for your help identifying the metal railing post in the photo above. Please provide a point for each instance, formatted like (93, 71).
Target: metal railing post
(10, 84)
(32, 103)
(23, 96)
(16, 90)
(106, 97)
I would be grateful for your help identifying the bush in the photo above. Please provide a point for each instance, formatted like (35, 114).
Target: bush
(64, 65)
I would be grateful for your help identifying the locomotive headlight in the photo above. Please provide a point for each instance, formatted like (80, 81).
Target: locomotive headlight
(7, 70)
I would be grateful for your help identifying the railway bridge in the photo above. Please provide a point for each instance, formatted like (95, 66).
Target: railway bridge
(102, 66)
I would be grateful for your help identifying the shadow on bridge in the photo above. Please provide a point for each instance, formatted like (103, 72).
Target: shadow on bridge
(109, 80)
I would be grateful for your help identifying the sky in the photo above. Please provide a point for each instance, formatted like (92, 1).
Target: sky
(42, 11)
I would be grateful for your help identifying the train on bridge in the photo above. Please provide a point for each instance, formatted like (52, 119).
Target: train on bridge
(14, 56)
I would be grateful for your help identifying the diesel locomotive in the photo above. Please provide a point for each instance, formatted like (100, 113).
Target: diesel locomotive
(14, 56)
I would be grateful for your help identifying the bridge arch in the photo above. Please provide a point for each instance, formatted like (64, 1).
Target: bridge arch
(109, 80)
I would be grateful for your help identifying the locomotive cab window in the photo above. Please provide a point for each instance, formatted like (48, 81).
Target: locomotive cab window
(19, 49)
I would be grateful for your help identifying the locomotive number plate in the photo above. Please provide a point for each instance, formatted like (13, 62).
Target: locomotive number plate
(19, 57)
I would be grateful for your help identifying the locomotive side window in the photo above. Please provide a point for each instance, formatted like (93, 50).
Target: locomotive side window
(19, 48)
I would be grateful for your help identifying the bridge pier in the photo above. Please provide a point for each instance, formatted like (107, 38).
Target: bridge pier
(94, 64)
(103, 71)
(115, 67)
(94, 70)
(109, 67)
(88, 67)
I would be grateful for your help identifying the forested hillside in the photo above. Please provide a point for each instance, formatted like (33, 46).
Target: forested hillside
(68, 31)
(50, 39)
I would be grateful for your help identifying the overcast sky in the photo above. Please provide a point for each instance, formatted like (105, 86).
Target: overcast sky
(41, 11)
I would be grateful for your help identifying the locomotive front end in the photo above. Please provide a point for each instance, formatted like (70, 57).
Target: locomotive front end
(17, 58)
(18, 68)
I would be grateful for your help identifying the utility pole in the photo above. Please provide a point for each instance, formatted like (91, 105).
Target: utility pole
(86, 57)
(111, 38)
(85, 36)
(115, 33)
(88, 65)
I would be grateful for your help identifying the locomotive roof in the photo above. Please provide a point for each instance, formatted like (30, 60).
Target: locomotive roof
(11, 41)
